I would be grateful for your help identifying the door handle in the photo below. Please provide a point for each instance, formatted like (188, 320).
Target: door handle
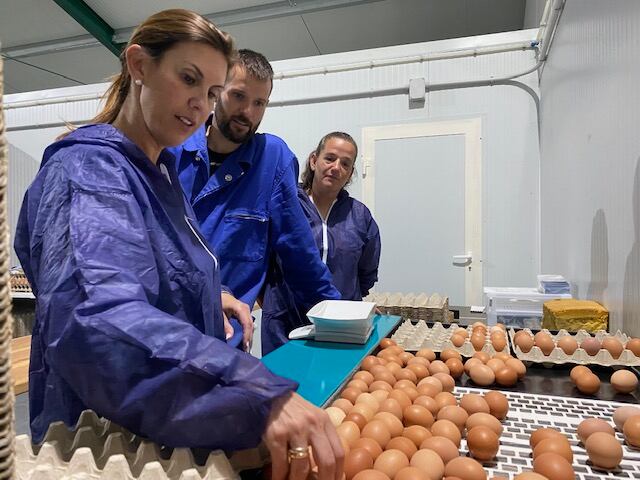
(462, 260)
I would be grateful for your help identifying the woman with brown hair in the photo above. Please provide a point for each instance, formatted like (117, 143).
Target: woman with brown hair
(129, 315)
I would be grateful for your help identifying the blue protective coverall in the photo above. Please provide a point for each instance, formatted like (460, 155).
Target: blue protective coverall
(248, 211)
(351, 251)
(128, 311)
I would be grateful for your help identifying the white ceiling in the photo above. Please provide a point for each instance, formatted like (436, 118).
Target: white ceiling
(52, 50)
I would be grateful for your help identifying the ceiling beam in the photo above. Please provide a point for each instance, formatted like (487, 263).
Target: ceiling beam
(222, 19)
(92, 23)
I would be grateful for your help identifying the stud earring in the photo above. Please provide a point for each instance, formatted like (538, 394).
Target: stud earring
(138, 82)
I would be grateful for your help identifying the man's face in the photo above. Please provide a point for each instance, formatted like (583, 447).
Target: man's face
(241, 105)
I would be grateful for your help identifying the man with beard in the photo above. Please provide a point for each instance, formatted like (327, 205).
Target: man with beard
(243, 188)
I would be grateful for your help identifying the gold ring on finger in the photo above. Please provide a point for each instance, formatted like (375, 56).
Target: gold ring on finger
(298, 452)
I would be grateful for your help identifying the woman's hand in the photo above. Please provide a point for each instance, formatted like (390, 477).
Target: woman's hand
(232, 307)
(294, 424)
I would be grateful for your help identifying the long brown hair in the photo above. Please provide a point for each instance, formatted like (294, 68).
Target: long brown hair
(156, 35)
(307, 175)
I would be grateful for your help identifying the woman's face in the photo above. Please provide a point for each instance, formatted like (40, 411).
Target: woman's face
(333, 167)
(180, 90)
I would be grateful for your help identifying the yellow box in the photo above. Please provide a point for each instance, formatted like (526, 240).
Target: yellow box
(572, 315)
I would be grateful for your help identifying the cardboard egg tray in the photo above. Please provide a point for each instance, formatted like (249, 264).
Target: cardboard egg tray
(528, 412)
(580, 357)
(413, 337)
(423, 306)
(99, 449)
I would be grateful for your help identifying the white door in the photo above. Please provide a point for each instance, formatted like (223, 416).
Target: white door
(423, 184)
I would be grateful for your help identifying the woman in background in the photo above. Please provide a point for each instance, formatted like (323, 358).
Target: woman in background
(346, 234)
(129, 306)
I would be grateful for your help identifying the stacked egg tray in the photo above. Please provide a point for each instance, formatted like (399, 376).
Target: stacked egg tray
(19, 283)
(528, 412)
(99, 449)
(422, 306)
(416, 336)
(580, 357)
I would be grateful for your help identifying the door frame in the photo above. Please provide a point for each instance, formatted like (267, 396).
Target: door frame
(471, 128)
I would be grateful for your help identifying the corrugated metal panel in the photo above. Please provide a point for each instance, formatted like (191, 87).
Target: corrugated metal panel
(591, 156)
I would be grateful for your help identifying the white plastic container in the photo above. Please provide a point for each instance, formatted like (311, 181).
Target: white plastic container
(517, 307)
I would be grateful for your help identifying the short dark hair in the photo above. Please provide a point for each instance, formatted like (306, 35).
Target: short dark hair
(255, 64)
(307, 175)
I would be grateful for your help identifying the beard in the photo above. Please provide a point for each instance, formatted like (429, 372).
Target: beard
(223, 120)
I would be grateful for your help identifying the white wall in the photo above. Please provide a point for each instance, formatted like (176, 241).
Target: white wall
(533, 13)
(590, 150)
(510, 142)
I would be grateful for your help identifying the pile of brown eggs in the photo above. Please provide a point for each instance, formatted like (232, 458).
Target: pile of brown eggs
(627, 421)
(398, 419)
(502, 369)
(496, 337)
(623, 381)
(568, 344)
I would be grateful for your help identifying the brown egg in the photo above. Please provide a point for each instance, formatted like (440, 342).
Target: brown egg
(420, 370)
(482, 375)
(498, 404)
(380, 395)
(506, 376)
(371, 475)
(379, 385)
(368, 362)
(518, 366)
(431, 381)
(412, 473)
(462, 332)
(482, 356)
(633, 345)
(448, 353)
(336, 415)
(385, 376)
(438, 366)
(447, 381)
(393, 367)
(556, 444)
(426, 353)
(417, 415)
(474, 403)
(465, 468)
(387, 342)
(524, 342)
(363, 409)
(483, 443)
(529, 476)
(542, 433)
(447, 429)
(456, 368)
(396, 349)
(393, 423)
(578, 371)
(419, 361)
(553, 466)
(588, 384)
(624, 381)
(454, 414)
(401, 397)
(402, 383)
(356, 418)
(444, 447)
(405, 357)
(357, 460)
(370, 445)
(403, 444)
(407, 374)
(457, 340)
(591, 346)
(544, 342)
(613, 346)
(445, 398)
(364, 376)
(504, 356)
(412, 392)
(486, 420)
(495, 364)
(631, 430)
(350, 394)
(391, 405)
(589, 426)
(604, 450)
(349, 432)
(369, 400)
(378, 431)
(499, 343)
(621, 414)
(427, 402)
(429, 462)
(391, 462)
(469, 364)
(568, 344)
(477, 341)
(358, 384)
(416, 434)
(429, 389)
(343, 404)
